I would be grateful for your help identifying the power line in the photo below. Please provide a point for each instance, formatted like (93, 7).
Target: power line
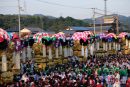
(62, 5)
(7, 6)
(103, 10)
(53, 3)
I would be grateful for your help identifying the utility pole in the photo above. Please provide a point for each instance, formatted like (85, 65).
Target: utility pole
(101, 24)
(117, 24)
(94, 19)
(105, 7)
(19, 22)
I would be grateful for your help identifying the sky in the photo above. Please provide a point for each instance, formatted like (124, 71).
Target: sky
(79, 9)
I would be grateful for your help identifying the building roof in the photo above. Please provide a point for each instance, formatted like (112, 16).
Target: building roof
(33, 30)
(88, 28)
(15, 29)
(78, 28)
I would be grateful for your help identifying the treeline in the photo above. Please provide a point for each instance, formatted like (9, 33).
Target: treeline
(44, 22)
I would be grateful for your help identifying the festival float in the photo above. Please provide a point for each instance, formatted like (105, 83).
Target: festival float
(126, 39)
(41, 40)
(83, 44)
(6, 73)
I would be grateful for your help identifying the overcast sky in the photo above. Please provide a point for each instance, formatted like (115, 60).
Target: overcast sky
(78, 9)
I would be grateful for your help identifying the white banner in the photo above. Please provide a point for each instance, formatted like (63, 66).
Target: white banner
(17, 60)
(97, 45)
(56, 52)
(114, 45)
(106, 47)
(50, 53)
(126, 42)
(4, 63)
(60, 50)
(29, 55)
(109, 46)
(44, 51)
(86, 52)
(82, 51)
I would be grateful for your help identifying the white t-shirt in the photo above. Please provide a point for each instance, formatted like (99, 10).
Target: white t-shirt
(116, 84)
(118, 76)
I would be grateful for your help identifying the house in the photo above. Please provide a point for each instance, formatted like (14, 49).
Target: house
(98, 29)
(35, 29)
(15, 29)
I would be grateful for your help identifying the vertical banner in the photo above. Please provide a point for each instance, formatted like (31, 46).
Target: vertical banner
(24, 54)
(50, 53)
(29, 56)
(106, 47)
(119, 46)
(129, 43)
(126, 41)
(91, 49)
(44, 51)
(60, 49)
(4, 63)
(14, 55)
(114, 45)
(97, 45)
(109, 46)
(93, 46)
(56, 52)
(71, 51)
(82, 51)
(68, 51)
(17, 60)
(86, 52)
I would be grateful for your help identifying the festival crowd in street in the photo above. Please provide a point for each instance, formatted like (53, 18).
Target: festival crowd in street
(107, 71)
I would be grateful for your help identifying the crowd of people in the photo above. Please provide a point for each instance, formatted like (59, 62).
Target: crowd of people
(107, 71)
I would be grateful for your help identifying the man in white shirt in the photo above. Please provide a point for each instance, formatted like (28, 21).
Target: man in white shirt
(117, 83)
(117, 75)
